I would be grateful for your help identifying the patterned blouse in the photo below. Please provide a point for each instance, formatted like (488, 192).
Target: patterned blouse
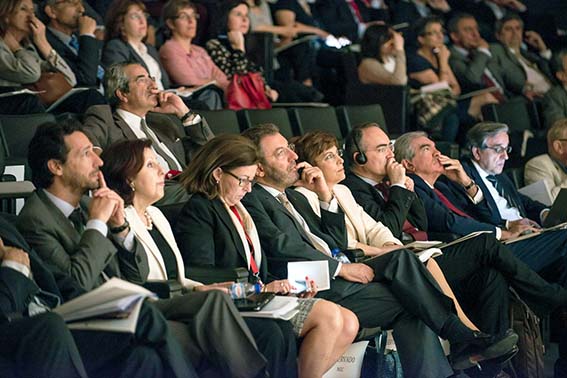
(229, 60)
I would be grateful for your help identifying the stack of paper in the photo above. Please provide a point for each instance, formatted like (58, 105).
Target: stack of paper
(279, 308)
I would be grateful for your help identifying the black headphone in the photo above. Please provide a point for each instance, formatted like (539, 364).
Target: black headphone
(360, 158)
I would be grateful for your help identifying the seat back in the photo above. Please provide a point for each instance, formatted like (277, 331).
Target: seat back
(221, 121)
(352, 115)
(310, 119)
(260, 49)
(277, 116)
(19, 130)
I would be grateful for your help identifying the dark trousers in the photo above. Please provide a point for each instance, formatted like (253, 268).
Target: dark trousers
(41, 346)
(217, 336)
(461, 261)
(152, 351)
(405, 300)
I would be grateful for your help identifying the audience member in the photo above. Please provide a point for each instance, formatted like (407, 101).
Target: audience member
(377, 293)
(72, 34)
(54, 223)
(141, 112)
(228, 51)
(132, 170)
(454, 194)
(472, 61)
(26, 56)
(430, 65)
(211, 235)
(479, 270)
(551, 167)
(338, 18)
(407, 12)
(555, 100)
(525, 68)
(383, 57)
(186, 63)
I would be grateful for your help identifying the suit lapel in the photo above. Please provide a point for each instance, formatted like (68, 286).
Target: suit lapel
(67, 232)
(123, 126)
(221, 212)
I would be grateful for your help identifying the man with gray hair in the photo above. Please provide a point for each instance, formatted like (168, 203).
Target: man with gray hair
(555, 100)
(551, 167)
(445, 185)
(142, 111)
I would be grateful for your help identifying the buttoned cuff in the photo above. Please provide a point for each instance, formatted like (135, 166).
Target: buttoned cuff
(478, 197)
(17, 267)
(338, 270)
(97, 224)
(332, 206)
(498, 233)
(126, 242)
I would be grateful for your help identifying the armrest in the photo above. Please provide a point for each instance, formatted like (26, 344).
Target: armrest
(355, 255)
(208, 275)
(165, 289)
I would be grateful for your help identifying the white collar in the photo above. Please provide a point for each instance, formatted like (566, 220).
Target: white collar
(65, 207)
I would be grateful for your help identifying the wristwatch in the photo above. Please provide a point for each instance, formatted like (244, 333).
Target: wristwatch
(469, 186)
(119, 229)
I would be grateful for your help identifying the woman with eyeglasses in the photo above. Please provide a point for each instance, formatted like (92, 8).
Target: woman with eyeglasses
(321, 149)
(187, 64)
(214, 230)
(429, 64)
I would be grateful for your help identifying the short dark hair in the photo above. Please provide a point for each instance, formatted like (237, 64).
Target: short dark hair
(226, 151)
(122, 162)
(171, 9)
(258, 132)
(48, 143)
(222, 22)
(421, 24)
(499, 24)
(114, 19)
(453, 24)
(479, 133)
(312, 144)
(374, 38)
(353, 139)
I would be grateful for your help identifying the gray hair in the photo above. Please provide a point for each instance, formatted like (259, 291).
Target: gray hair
(557, 130)
(403, 146)
(115, 78)
(479, 133)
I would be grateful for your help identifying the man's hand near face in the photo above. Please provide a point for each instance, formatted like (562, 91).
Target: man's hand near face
(396, 172)
(170, 103)
(453, 170)
(312, 178)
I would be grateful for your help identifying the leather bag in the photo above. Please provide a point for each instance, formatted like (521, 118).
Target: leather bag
(247, 91)
(52, 86)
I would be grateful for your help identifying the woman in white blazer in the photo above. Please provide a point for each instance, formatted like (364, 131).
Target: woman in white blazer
(321, 149)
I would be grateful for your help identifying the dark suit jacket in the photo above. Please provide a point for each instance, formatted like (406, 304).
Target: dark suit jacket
(16, 290)
(514, 69)
(207, 237)
(118, 51)
(440, 218)
(336, 17)
(555, 105)
(283, 242)
(83, 257)
(85, 64)
(489, 211)
(401, 205)
(103, 127)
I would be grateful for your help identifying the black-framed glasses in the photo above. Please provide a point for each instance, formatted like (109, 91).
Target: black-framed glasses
(498, 149)
(242, 181)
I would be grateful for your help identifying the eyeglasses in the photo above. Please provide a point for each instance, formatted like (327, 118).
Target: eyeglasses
(145, 80)
(383, 148)
(242, 181)
(187, 17)
(498, 149)
(138, 16)
(281, 152)
(333, 156)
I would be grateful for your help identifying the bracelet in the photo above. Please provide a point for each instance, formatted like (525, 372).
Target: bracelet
(186, 116)
(119, 229)
(469, 186)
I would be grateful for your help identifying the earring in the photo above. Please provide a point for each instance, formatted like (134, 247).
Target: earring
(132, 187)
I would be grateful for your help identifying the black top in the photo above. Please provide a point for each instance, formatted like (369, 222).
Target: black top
(166, 252)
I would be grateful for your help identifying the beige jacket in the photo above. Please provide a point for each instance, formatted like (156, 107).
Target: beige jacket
(542, 167)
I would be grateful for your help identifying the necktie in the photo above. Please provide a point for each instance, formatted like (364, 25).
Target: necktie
(489, 83)
(253, 265)
(354, 7)
(74, 44)
(450, 205)
(301, 225)
(500, 189)
(407, 227)
(156, 144)
(78, 220)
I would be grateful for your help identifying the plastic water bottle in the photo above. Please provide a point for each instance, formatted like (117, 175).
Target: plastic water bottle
(339, 256)
(242, 290)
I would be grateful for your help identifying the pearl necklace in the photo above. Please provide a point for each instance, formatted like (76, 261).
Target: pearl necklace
(149, 221)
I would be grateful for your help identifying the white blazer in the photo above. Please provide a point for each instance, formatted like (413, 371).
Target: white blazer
(155, 259)
(542, 167)
(361, 227)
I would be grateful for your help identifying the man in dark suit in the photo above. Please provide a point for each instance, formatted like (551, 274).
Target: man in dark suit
(290, 230)
(525, 67)
(446, 190)
(144, 112)
(54, 221)
(37, 342)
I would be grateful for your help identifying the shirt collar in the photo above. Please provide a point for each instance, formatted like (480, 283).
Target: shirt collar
(273, 191)
(129, 118)
(65, 38)
(367, 180)
(65, 207)
(481, 170)
(461, 50)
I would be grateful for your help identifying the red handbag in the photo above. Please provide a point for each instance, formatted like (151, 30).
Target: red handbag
(247, 92)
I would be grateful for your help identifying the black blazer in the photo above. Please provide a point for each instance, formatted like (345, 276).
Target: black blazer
(401, 205)
(118, 51)
(441, 219)
(489, 212)
(85, 64)
(207, 237)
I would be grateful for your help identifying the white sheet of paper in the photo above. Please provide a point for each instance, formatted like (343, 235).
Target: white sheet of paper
(317, 271)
